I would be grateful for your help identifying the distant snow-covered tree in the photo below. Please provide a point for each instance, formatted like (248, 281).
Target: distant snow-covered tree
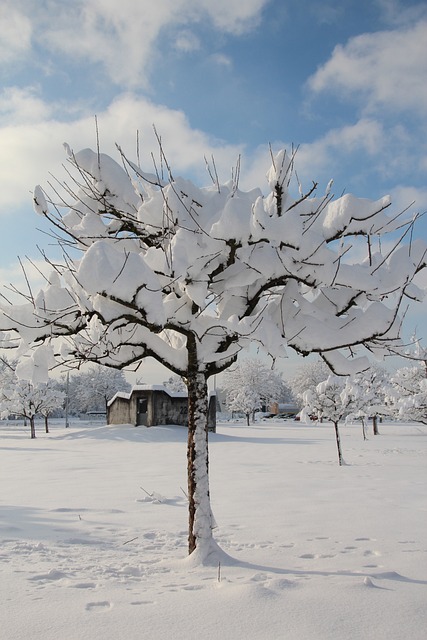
(7, 372)
(25, 399)
(417, 352)
(175, 383)
(369, 390)
(407, 398)
(332, 399)
(251, 385)
(20, 398)
(91, 390)
(52, 398)
(7, 384)
(307, 377)
(70, 385)
(155, 266)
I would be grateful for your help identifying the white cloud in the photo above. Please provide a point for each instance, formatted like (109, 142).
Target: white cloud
(185, 147)
(385, 69)
(326, 13)
(30, 149)
(326, 153)
(364, 152)
(15, 33)
(221, 60)
(22, 105)
(121, 39)
(17, 276)
(321, 159)
(233, 16)
(398, 12)
(403, 196)
(187, 41)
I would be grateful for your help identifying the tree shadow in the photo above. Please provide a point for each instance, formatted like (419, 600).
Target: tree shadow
(216, 556)
(23, 523)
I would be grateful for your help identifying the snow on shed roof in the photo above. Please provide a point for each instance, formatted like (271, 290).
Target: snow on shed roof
(151, 387)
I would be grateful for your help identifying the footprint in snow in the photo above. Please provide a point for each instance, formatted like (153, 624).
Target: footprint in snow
(84, 585)
(103, 605)
(53, 574)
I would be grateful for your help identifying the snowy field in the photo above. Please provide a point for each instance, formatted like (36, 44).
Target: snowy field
(317, 552)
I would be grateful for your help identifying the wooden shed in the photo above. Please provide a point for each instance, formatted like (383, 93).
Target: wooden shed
(152, 405)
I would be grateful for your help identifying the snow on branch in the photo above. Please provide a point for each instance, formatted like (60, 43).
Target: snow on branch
(162, 260)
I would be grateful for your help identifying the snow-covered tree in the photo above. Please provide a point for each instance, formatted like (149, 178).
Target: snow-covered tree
(250, 385)
(155, 266)
(7, 372)
(407, 398)
(92, 389)
(416, 352)
(70, 385)
(175, 383)
(332, 399)
(25, 399)
(52, 398)
(307, 377)
(7, 384)
(369, 390)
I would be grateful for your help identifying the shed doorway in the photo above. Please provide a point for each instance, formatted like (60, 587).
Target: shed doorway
(142, 411)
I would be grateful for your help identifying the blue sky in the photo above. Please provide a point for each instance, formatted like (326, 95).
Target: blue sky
(346, 80)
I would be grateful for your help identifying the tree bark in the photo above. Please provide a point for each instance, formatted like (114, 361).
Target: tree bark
(375, 425)
(337, 438)
(32, 427)
(200, 514)
(46, 424)
(363, 429)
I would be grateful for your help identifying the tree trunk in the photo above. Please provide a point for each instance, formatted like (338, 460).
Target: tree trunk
(200, 515)
(248, 419)
(46, 424)
(337, 437)
(375, 425)
(32, 427)
(363, 429)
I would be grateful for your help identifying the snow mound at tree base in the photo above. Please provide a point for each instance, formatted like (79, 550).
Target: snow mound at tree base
(209, 554)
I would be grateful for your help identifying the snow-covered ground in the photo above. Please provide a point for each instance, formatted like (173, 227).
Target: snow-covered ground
(317, 551)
